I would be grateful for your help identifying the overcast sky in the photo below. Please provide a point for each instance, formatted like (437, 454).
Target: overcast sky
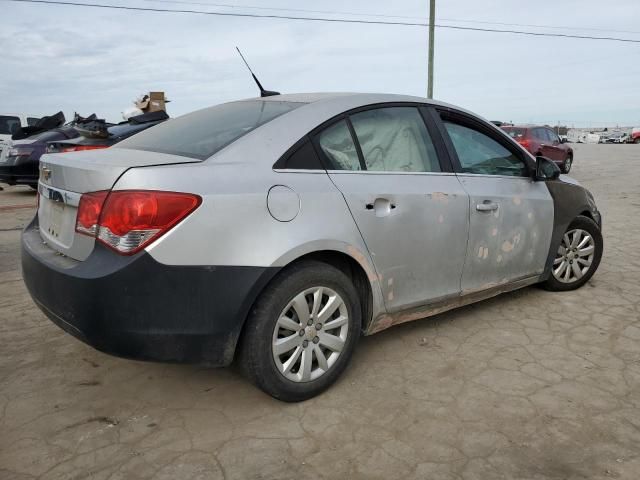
(96, 60)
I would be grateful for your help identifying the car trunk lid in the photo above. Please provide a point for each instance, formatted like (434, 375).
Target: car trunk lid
(65, 177)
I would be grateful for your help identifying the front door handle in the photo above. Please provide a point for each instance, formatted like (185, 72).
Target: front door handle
(487, 206)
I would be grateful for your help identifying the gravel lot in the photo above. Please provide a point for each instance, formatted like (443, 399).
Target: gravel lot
(529, 385)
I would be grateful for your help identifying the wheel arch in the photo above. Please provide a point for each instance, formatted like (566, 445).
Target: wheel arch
(569, 201)
(349, 259)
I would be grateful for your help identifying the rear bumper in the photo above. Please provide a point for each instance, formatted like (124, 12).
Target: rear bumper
(16, 171)
(135, 307)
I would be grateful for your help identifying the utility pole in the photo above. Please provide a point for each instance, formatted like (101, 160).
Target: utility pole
(432, 21)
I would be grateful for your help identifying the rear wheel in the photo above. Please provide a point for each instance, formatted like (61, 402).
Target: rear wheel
(578, 256)
(302, 331)
(566, 166)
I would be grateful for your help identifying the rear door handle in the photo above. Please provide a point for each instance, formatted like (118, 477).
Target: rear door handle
(381, 207)
(486, 206)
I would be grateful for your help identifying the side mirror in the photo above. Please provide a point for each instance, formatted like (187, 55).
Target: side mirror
(546, 169)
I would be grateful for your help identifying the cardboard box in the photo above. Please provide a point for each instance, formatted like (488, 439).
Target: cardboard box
(153, 102)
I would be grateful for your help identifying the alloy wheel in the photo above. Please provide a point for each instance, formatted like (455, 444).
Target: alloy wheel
(310, 334)
(575, 256)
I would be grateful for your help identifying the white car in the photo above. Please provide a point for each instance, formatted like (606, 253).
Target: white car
(9, 124)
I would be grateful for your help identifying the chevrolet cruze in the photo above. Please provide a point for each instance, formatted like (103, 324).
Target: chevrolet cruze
(276, 231)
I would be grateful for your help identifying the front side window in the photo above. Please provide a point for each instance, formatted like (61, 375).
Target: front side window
(31, 121)
(481, 154)
(338, 148)
(395, 139)
(553, 138)
(8, 124)
(201, 134)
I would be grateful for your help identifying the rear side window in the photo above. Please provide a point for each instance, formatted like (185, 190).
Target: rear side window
(201, 134)
(481, 154)
(8, 124)
(338, 148)
(395, 139)
(515, 132)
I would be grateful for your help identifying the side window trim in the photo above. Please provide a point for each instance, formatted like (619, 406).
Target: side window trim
(448, 163)
(443, 115)
(356, 142)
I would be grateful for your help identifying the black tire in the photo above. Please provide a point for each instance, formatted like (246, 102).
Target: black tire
(636, 141)
(584, 223)
(256, 358)
(566, 166)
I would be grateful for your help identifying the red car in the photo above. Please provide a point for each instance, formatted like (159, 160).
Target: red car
(543, 141)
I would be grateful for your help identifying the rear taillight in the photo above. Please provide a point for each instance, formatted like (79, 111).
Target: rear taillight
(128, 220)
(524, 142)
(89, 212)
(80, 148)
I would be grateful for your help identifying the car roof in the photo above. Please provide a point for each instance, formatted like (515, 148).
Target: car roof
(348, 98)
(284, 131)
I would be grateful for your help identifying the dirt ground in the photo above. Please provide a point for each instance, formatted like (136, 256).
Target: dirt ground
(529, 385)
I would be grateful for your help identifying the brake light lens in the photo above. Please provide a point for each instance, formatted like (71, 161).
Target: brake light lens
(128, 220)
(89, 212)
(526, 143)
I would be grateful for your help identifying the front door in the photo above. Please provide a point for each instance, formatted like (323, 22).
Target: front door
(413, 215)
(550, 144)
(510, 215)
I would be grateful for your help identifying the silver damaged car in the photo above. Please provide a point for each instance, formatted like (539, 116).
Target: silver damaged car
(276, 231)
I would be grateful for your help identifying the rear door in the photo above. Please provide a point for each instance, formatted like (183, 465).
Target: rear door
(408, 204)
(510, 215)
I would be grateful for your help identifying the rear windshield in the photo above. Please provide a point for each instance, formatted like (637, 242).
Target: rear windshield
(9, 125)
(515, 132)
(201, 134)
(127, 129)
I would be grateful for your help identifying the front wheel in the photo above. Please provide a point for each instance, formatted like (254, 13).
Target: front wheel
(302, 331)
(566, 166)
(578, 256)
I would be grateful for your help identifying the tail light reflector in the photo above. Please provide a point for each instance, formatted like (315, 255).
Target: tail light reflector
(128, 220)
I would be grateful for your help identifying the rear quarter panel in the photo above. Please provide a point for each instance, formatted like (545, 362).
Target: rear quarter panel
(234, 227)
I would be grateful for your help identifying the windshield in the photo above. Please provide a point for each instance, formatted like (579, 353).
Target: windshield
(8, 125)
(201, 134)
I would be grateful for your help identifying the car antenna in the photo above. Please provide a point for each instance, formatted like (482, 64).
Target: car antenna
(263, 92)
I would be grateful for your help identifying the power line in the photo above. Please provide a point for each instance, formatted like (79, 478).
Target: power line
(324, 19)
(382, 15)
